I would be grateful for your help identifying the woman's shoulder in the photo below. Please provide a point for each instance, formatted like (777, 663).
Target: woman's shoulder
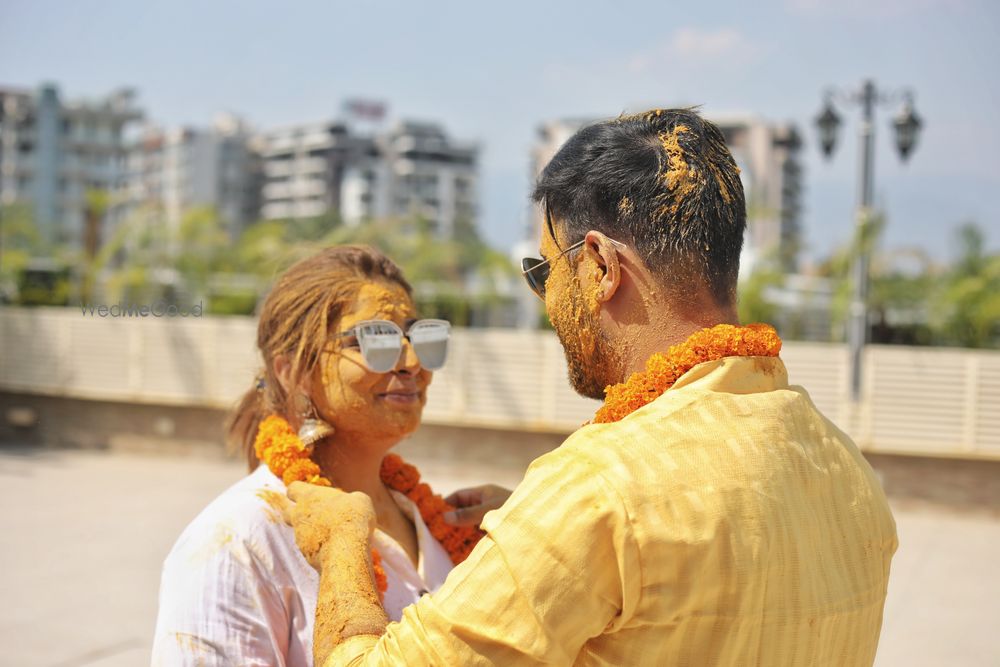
(235, 582)
(242, 525)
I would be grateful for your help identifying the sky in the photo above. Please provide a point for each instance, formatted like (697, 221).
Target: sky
(493, 72)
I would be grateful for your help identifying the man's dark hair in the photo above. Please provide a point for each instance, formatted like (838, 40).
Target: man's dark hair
(663, 182)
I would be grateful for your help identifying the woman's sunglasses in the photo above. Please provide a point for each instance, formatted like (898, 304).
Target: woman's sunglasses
(381, 343)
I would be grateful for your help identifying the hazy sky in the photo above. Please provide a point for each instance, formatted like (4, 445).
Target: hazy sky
(491, 73)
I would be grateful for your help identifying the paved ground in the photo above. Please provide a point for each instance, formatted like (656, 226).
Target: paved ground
(84, 534)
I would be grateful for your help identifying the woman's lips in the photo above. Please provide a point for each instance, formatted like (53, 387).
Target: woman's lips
(401, 397)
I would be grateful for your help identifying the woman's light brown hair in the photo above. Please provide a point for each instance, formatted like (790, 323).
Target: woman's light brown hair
(298, 316)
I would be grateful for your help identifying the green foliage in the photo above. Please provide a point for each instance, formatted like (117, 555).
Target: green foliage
(440, 269)
(19, 242)
(966, 307)
(233, 303)
(43, 285)
(32, 271)
(454, 278)
(958, 304)
(201, 248)
(840, 265)
(753, 303)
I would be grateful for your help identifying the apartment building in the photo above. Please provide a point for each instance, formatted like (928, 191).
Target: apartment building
(409, 169)
(173, 171)
(53, 151)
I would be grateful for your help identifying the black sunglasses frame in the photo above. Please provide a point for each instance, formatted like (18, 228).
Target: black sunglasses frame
(536, 270)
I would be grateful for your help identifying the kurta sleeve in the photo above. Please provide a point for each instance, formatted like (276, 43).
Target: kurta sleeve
(558, 566)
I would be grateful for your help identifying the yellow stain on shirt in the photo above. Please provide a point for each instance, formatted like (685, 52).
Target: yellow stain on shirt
(221, 536)
(276, 503)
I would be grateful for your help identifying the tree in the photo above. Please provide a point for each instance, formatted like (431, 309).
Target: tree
(753, 303)
(898, 297)
(19, 243)
(452, 277)
(966, 309)
(32, 271)
(131, 262)
(839, 269)
(958, 304)
(202, 244)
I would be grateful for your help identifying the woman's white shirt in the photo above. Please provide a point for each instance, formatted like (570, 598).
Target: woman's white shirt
(235, 589)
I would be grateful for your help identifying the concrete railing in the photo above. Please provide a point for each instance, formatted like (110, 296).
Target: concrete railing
(931, 401)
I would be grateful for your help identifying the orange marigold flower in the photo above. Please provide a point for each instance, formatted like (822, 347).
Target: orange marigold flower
(280, 460)
(420, 493)
(281, 449)
(432, 506)
(278, 445)
(399, 475)
(456, 541)
(391, 463)
(302, 470)
(319, 480)
(439, 527)
(663, 370)
(381, 582)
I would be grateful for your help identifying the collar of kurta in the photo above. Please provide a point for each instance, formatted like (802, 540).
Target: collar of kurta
(735, 375)
(729, 375)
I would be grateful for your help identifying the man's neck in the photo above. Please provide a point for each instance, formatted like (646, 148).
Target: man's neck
(663, 332)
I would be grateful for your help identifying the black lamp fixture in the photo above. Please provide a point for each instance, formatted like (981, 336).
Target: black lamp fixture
(828, 122)
(907, 124)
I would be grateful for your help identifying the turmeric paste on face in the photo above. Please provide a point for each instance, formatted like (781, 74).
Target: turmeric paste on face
(574, 307)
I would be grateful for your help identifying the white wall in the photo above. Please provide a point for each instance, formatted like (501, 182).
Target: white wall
(931, 401)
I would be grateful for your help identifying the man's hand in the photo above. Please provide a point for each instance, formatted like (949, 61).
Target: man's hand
(473, 503)
(333, 529)
(328, 518)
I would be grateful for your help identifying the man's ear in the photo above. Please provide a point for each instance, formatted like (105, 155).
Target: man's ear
(599, 248)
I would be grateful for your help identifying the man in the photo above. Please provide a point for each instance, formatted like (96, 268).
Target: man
(709, 516)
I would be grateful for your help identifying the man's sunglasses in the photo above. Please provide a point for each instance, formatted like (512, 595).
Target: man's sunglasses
(536, 270)
(381, 343)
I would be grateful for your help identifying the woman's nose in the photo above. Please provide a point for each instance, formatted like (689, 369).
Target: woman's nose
(408, 361)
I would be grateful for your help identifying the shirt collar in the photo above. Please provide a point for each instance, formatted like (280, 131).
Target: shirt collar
(736, 375)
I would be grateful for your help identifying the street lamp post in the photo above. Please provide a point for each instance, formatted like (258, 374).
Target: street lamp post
(907, 125)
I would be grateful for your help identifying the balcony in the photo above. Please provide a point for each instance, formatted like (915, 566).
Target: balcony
(278, 168)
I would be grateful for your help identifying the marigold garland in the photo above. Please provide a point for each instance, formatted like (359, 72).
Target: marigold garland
(280, 448)
(663, 370)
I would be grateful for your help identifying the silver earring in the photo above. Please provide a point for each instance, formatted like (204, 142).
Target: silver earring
(313, 428)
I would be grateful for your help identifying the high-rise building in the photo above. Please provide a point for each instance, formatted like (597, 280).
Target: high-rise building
(302, 166)
(771, 169)
(767, 154)
(411, 169)
(53, 152)
(180, 169)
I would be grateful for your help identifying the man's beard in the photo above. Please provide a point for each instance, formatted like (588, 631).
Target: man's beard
(589, 356)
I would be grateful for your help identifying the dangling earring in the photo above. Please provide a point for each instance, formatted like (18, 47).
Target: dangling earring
(313, 428)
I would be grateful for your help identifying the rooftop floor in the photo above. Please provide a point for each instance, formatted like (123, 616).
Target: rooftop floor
(85, 533)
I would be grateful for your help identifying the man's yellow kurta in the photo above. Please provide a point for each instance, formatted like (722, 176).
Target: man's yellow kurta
(726, 523)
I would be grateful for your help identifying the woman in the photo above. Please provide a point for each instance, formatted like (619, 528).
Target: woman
(347, 367)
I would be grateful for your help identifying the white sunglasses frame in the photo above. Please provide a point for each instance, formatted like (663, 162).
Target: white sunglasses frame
(353, 331)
